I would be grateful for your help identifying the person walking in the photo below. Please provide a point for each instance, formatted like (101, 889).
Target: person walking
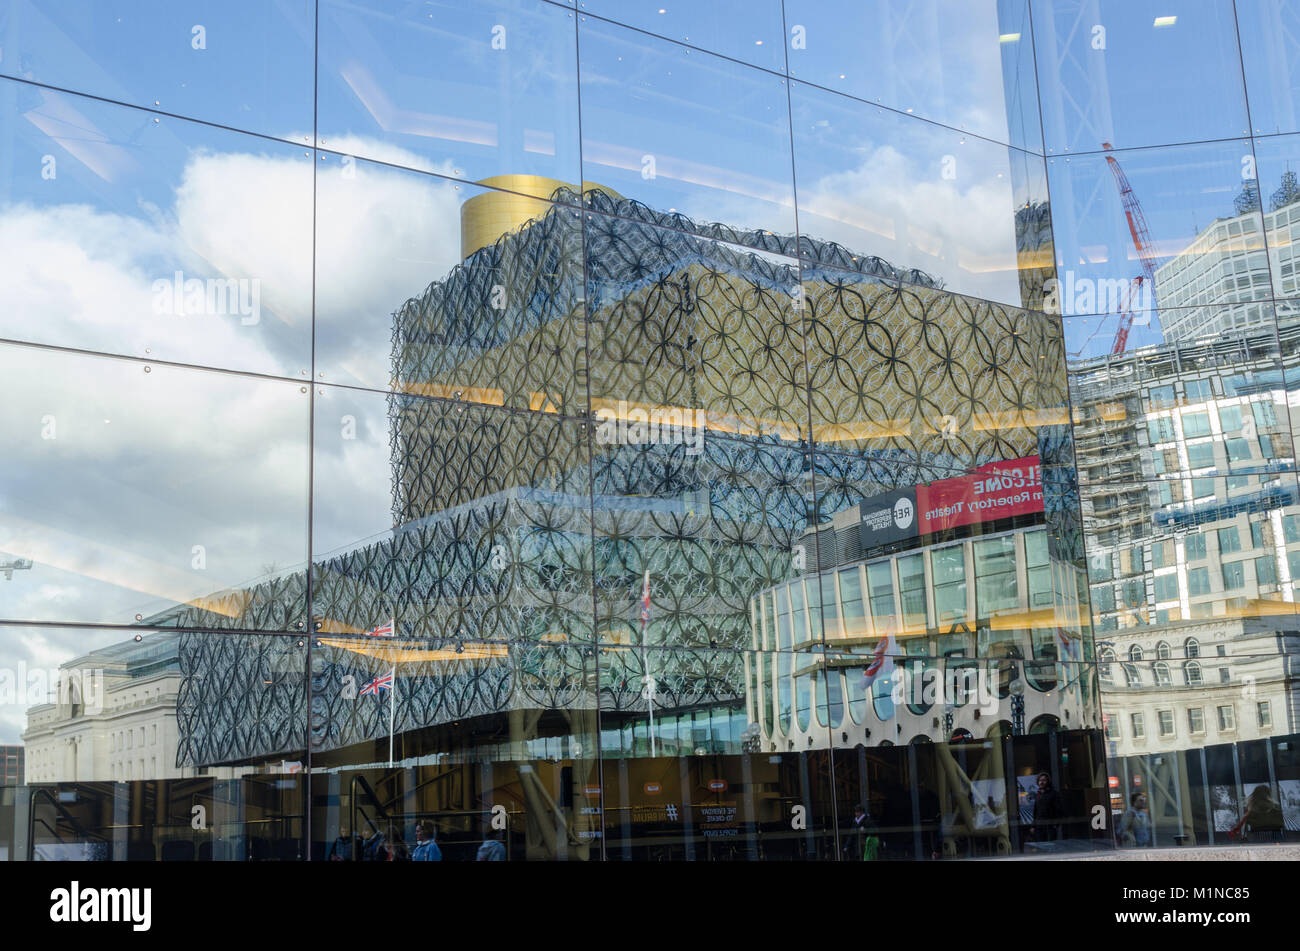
(426, 849)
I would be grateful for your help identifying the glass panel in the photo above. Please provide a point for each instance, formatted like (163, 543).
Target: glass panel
(950, 599)
(996, 586)
(713, 784)
(207, 529)
(749, 31)
(1196, 220)
(958, 65)
(438, 288)
(153, 237)
(1093, 56)
(388, 768)
(486, 93)
(243, 64)
(1268, 35)
(150, 712)
(686, 132)
(939, 208)
(1233, 380)
(1279, 193)
(486, 546)
(688, 337)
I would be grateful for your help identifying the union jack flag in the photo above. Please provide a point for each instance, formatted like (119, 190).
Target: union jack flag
(382, 682)
(383, 630)
(882, 662)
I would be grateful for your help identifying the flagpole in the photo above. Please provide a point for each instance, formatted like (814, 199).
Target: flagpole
(392, 707)
(645, 659)
(392, 696)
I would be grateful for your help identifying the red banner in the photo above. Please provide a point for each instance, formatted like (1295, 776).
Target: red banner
(993, 491)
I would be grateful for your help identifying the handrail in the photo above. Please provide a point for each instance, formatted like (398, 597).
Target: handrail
(352, 795)
(77, 827)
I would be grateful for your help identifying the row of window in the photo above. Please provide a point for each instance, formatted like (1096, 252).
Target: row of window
(123, 771)
(892, 596)
(125, 739)
(1226, 713)
(1103, 566)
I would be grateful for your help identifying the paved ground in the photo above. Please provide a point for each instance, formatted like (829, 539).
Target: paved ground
(1285, 852)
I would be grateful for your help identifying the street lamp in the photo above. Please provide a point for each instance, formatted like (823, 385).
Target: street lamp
(1017, 689)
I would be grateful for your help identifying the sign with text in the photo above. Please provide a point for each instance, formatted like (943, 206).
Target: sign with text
(994, 490)
(890, 517)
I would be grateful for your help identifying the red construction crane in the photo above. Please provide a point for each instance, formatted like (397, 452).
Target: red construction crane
(1137, 227)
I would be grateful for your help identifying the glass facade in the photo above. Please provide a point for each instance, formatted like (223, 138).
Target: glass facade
(589, 431)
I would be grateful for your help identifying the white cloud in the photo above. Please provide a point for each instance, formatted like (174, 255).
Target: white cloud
(145, 466)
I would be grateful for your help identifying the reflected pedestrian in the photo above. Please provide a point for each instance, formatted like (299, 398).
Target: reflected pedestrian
(1135, 826)
(1049, 810)
(426, 849)
(492, 849)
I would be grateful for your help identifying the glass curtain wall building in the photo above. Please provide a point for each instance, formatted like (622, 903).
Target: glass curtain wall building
(612, 431)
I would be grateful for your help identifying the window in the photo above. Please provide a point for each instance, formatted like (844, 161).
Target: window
(1103, 598)
(1135, 654)
(1112, 728)
(911, 588)
(1167, 587)
(1258, 537)
(1196, 424)
(855, 621)
(1162, 651)
(1161, 429)
(1265, 570)
(1198, 391)
(1265, 415)
(1196, 720)
(995, 575)
(1291, 528)
(1234, 576)
(880, 585)
(1039, 570)
(1191, 647)
(1195, 547)
(1139, 727)
(1225, 675)
(1227, 718)
(1200, 456)
(1162, 554)
(1238, 449)
(1203, 488)
(1264, 714)
(1230, 418)
(1162, 396)
(1192, 674)
(949, 568)
(1198, 581)
(1105, 657)
(1166, 718)
(1229, 540)
(1162, 674)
